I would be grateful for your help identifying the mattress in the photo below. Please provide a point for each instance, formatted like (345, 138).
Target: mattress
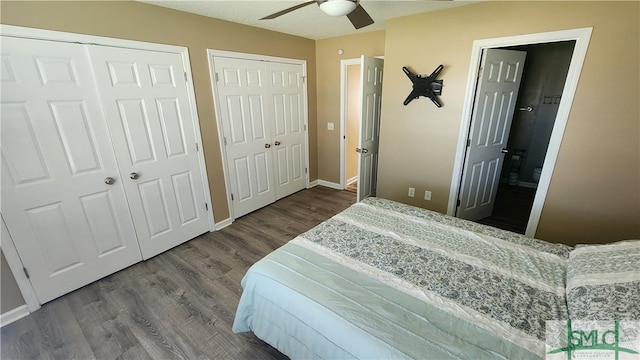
(388, 280)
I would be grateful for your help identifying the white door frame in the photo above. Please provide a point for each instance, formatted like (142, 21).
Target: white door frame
(581, 37)
(13, 259)
(223, 151)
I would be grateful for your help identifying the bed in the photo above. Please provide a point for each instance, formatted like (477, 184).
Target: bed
(387, 280)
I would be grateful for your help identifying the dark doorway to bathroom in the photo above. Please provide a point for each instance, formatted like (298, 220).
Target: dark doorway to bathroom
(512, 208)
(543, 80)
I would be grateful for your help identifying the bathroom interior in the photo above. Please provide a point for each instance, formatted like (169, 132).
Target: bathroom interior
(543, 79)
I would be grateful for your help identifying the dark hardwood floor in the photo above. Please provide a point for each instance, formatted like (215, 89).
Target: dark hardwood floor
(512, 208)
(179, 304)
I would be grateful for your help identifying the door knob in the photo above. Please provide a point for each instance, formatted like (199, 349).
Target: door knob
(266, 146)
(109, 180)
(362, 151)
(276, 143)
(134, 176)
(504, 151)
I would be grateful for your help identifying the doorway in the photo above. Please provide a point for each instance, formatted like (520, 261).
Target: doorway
(543, 79)
(579, 38)
(360, 104)
(351, 125)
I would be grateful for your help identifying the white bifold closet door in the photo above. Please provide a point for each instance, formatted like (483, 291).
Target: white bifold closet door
(70, 205)
(147, 108)
(261, 106)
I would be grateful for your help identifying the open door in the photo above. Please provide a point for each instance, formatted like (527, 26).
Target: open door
(371, 78)
(496, 95)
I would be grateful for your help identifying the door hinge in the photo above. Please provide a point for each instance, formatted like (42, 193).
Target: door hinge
(304, 79)
(217, 77)
(224, 139)
(231, 197)
(186, 78)
(206, 206)
(305, 170)
(458, 202)
(304, 127)
(468, 142)
(197, 147)
(26, 273)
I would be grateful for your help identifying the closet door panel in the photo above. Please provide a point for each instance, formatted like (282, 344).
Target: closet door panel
(147, 105)
(287, 93)
(69, 226)
(245, 111)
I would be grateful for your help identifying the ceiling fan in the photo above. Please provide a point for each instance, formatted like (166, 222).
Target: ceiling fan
(351, 8)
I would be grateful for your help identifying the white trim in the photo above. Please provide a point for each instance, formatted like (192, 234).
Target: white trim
(314, 183)
(14, 315)
(248, 56)
(581, 37)
(330, 184)
(51, 35)
(344, 64)
(352, 180)
(16, 266)
(224, 223)
(211, 53)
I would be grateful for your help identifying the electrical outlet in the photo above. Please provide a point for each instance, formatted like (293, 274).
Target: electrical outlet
(427, 195)
(412, 192)
(330, 126)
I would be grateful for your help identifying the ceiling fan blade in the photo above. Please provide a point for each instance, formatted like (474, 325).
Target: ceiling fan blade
(286, 11)
(359, 17)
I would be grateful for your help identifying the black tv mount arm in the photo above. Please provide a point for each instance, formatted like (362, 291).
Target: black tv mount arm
(425, 86)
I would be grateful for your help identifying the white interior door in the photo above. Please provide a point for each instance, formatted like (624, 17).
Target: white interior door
(371, 78)
(146, 101)
(69, 226)
(500, 75)
(244, 106)
(288, 128)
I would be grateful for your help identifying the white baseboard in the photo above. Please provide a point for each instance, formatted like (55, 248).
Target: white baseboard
(330, 184)
(352, 180)
(314, 183)
(223, 224)
(13, 315)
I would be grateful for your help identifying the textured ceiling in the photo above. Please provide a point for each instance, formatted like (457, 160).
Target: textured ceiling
(309, 22)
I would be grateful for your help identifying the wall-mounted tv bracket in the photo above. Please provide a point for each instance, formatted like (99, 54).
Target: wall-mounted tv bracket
(425, 86)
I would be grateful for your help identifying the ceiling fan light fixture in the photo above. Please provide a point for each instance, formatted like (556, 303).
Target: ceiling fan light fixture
(338, 7)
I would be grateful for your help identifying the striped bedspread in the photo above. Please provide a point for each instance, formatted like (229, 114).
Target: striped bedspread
(387, 280)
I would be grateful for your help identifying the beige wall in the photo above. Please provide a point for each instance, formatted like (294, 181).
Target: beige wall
(328, 75)
(594, 195)
(143, 22)
(352, 126)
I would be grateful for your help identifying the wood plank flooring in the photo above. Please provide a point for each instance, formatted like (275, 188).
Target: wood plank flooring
(177, 305)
